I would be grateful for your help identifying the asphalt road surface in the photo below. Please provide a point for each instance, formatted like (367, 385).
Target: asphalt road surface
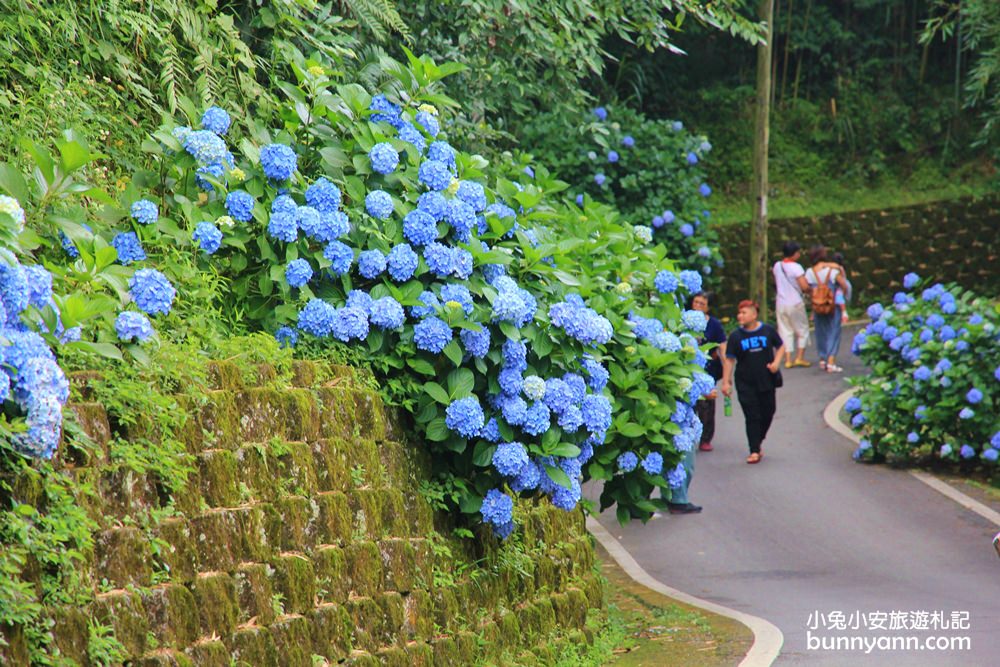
(808, 531)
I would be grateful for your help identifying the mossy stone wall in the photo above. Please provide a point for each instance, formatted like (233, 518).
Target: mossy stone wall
(301, 533)
(954, 241)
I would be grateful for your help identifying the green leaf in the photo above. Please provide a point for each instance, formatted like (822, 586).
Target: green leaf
(566, 450)
(12, 182)
(454, 352)
(632, 430)
(558, 476)
(470, 503)
(482, 456)
(421, 366)
(437, 392)
(461, 382)
(437, 431)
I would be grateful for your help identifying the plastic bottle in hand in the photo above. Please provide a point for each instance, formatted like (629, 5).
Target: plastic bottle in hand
(727, 407)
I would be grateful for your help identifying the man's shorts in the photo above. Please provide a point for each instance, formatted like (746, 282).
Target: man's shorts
(793, 324)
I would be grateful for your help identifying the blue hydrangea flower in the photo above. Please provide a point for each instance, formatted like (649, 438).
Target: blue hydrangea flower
(966, 413)
(910, 280)
(600, 179)
(283, 227)
(462, 218)
(853, 404)
(340, 256)
(151, 291)
(666, 341)
(384, 158)
(946, 449)
(378, 203)
(597, 374)
(441, 151)
(323, 196)
(350, 323)
(596, 411)
(360, 299)
(207, 236)
(967, 452)
(284, 204)
(387, 313)
(38, 282)
(528, 171)
(974, 396)
(462, 267)
(371, 263)
(433, 204)
(601, 113)
(691, 281)
(677, 126)
(628, 141)
(515, 354)
(239, 205)
(687, 229)
(991, 454)
(129, 248)
(557, 395)
(694, 320)
(286, 337)
(205, 146)
(612, 156)
(537, 419)
(692, 159)
(430, 305)
(497, 508)
(429, 122)
(653, 463)
(476, 343)
(627, 461)
(677, 477)
(571, 419)
(665, 282)
(215, 120)
(412, 136)
(434, 174)
(278, 161)
(912, 437)
(402, 262)
(440, 259)
(130, 325)
(419, 228)
(514, 410)
(388, 112)
(465, 417)
(922, 374)
(510, 458)
(459, 294)
(68, 246)
(144, 212)
(298, 273)
(431, 334)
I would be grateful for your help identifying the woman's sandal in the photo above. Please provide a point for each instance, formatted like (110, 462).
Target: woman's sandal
(754, 458)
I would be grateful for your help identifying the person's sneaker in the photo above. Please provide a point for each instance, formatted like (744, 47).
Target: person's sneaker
(705, 447)
(683, 508)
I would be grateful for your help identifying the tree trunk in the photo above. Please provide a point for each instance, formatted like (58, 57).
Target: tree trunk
(758, 229)
(788, 44)
(798, 64)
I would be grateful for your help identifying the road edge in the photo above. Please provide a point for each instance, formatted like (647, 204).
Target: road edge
(767, 638)
(831, 415)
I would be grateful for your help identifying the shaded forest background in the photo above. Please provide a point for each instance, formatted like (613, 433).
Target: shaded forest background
(877, 102)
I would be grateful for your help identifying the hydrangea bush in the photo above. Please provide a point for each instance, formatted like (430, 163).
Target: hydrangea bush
(934, 385)
(649, 170)
(367, 228)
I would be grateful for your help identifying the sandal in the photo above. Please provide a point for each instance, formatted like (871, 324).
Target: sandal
(753, 458)
(834, 368)
(822, 364)
(802, 363)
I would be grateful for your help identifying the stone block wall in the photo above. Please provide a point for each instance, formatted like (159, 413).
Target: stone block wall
(301, 533)
(954, 241)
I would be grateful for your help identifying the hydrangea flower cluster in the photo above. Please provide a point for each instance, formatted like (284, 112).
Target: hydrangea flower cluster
(939, 351)
(30, 378)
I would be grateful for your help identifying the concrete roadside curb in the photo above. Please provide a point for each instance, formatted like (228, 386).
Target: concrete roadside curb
(767, 638)
(831, 415)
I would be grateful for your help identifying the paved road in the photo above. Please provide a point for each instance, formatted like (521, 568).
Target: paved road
(809, 530)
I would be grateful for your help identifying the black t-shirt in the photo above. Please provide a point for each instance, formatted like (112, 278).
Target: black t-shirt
(753, 351)
(714, 333)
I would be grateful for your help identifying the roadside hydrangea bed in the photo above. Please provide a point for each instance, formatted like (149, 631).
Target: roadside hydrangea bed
(449, 274)
(935, 381)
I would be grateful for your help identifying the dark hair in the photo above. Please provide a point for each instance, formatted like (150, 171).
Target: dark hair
(790, 248)
(708, 296)
(817, 253)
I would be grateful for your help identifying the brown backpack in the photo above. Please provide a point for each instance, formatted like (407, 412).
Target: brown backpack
(822, 296)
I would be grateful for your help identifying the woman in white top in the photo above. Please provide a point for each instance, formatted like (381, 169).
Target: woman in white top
(827, 325)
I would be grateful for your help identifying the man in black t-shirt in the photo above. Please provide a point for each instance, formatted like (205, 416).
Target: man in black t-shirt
(755, 350)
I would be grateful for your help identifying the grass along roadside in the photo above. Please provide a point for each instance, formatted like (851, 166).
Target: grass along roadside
(644, 628)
